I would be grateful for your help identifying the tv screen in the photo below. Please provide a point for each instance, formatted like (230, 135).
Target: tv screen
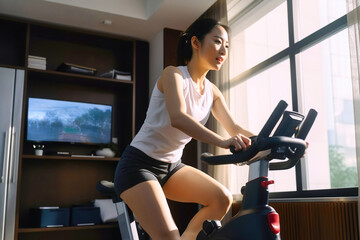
(67, 121)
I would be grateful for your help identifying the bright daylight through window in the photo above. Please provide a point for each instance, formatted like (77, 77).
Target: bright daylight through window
(299, 54)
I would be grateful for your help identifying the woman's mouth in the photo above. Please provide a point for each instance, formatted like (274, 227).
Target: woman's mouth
(219, 59)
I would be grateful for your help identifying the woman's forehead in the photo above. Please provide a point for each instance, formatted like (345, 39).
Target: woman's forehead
(219, 31)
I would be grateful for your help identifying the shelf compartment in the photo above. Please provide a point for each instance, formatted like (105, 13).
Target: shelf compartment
(84, 49)
(71, 87)
(60, 182)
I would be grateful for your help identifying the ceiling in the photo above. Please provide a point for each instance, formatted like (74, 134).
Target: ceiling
(141, 19)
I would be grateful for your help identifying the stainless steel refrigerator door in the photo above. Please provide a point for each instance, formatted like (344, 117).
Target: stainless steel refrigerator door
(14, 155)
(7, 83)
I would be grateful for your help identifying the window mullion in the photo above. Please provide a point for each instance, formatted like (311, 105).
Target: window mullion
(294, 93)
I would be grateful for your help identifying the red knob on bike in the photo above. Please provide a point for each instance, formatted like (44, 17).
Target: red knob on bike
(265, 184)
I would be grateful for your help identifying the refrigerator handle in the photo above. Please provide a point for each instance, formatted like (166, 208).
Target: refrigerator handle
(5, 157)
(12, 154)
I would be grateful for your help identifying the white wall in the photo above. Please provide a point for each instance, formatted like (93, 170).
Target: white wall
(156, 59)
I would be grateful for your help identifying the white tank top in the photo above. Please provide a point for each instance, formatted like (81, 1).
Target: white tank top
(157, 138)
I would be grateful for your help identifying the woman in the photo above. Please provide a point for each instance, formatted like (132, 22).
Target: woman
(150, 169)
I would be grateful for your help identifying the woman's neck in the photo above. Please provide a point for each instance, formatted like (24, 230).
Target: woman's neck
(196, 72)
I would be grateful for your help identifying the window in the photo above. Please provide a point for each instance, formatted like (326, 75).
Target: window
(297, 50)
(261, 40)
(325, 80)
(312, 15)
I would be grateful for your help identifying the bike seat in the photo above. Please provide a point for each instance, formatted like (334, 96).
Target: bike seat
(107, 188)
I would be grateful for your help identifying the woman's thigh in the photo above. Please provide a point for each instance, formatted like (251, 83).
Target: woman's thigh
(148, 203)
(192, 185)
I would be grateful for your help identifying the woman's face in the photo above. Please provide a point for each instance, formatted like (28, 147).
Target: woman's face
(214, 48)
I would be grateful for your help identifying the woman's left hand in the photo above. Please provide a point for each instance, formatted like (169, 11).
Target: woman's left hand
(240, 142)
(307, 145)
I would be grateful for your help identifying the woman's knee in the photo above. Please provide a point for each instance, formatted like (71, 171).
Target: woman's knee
(227, 199)
(222, 200)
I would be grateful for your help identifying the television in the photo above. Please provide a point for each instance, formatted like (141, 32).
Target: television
(51, 120)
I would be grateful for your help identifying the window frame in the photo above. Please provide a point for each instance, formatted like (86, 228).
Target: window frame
(290, 52)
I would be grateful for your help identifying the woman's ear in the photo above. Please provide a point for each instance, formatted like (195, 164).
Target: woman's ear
(195, 43)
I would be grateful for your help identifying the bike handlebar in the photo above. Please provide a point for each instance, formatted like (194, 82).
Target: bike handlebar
(273, 119)
(281, 147)
(284, 146)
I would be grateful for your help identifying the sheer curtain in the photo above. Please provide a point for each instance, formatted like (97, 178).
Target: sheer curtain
(354, 38)
(218, 11)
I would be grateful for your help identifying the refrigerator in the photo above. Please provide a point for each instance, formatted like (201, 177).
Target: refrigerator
(11, 100)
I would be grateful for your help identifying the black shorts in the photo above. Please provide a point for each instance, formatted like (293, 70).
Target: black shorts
(135, 167)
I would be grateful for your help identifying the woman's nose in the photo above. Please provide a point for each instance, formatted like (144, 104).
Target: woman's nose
(223, 50)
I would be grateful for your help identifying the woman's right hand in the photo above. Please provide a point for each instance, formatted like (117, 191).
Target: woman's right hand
(239, 141)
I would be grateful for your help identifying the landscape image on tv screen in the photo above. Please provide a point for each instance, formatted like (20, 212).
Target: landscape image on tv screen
(66, 121)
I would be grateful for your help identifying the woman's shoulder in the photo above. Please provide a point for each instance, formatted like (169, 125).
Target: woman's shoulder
(170, 75)
(215, 90)
(171, 70)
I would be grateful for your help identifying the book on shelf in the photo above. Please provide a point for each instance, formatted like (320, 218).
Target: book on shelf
(37, 66)
(37, 57)
(116, 74)
(37, 62)
(73, 68)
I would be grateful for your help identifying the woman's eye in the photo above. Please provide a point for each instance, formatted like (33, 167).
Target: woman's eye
(217, 41)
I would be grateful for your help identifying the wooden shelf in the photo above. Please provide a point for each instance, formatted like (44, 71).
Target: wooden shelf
(40, 73)
(26, 156)
(12, 66)
(71, 228)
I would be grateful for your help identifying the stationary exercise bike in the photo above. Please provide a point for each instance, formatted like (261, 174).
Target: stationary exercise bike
(256, 220)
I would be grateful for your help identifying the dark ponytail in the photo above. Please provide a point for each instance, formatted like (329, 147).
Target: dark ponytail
(199, 29)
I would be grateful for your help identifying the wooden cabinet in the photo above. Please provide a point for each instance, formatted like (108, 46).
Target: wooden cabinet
(64, 180)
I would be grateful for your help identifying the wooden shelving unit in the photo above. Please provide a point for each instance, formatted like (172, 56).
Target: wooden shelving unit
(64, 180)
